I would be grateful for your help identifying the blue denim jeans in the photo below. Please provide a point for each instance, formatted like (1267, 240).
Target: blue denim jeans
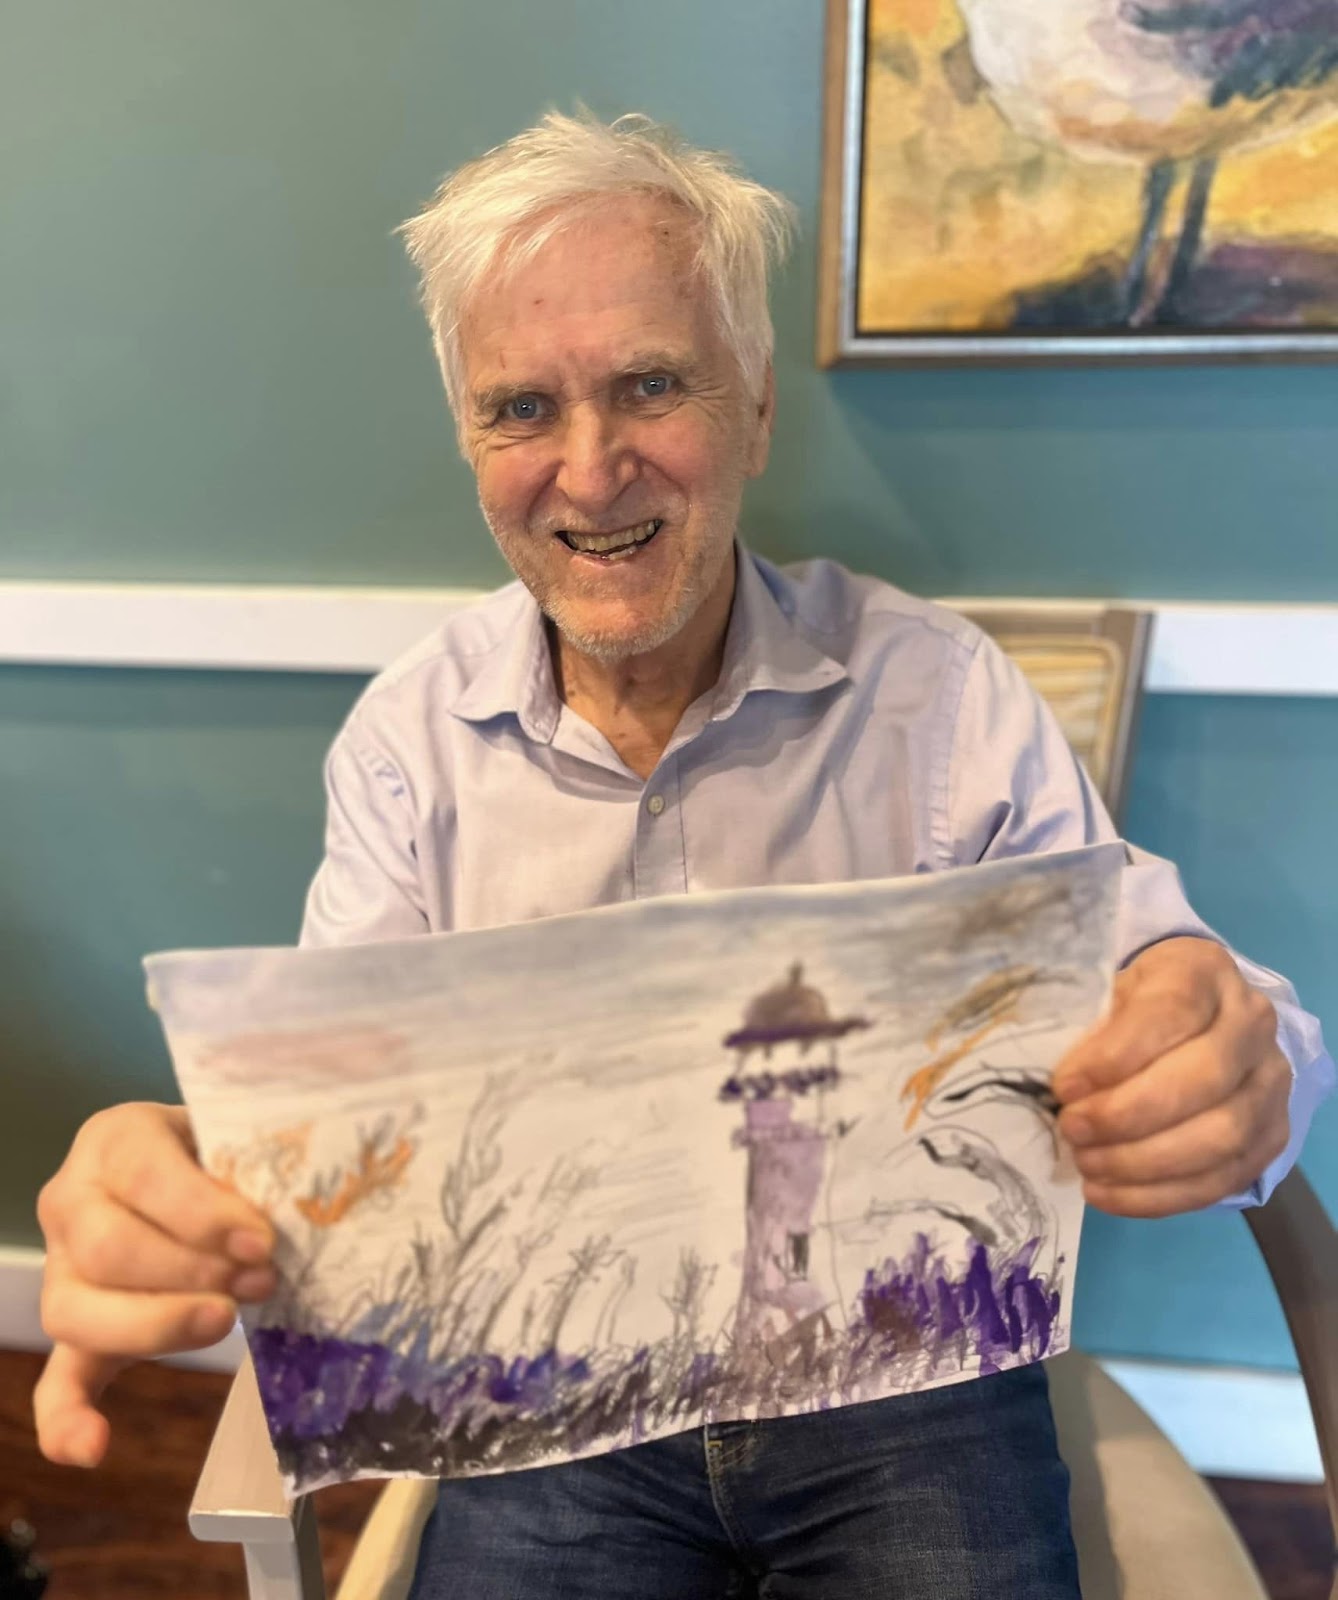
(952, 1492)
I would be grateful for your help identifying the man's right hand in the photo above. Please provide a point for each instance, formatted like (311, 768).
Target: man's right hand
(146, 1255)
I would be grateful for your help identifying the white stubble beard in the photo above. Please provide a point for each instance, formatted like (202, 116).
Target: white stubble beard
(608, 649)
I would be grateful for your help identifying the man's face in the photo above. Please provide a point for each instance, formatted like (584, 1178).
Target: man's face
(609, 428)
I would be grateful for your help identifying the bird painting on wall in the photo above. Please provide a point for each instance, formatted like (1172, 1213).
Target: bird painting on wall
(1102, 164)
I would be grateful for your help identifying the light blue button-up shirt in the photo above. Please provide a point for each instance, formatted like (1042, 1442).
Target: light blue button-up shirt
(854, 732)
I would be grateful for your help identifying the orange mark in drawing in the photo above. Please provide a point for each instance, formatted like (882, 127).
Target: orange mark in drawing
(289, 1147)
(264, 1170)
(987, 1004)
(920, 1085)
(378, 1172)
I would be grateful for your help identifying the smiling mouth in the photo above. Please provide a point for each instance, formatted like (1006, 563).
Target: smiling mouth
(611, 546)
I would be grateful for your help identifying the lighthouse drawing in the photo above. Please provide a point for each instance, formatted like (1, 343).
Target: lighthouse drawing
(787, 1135)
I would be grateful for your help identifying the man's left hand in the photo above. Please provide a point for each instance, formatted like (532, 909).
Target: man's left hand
(1179, 1097)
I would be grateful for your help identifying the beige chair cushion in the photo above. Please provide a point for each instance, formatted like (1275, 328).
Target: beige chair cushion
(1146, 1525)
(1081, 681)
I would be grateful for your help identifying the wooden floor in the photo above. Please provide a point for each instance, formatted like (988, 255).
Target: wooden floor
(120, 1533)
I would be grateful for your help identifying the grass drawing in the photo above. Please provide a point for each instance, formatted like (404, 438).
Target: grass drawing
(511, 1235)
(410, 1376)
(338, 1405)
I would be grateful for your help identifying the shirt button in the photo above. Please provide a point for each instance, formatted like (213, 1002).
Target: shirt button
(655, 804)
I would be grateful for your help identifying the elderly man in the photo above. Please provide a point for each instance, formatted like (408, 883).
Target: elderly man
(653, 710)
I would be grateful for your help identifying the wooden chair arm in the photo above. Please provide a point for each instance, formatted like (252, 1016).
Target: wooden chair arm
(1300, 1245)
(240, 1499)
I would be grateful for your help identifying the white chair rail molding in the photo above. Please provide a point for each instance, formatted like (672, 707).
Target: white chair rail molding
(1212, 647)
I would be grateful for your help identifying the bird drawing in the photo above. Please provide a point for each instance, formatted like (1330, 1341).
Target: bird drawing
(1173, 87)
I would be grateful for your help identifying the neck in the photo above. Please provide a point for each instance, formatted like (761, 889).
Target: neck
(636, 703)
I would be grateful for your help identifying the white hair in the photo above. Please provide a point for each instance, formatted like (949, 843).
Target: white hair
(499, 210)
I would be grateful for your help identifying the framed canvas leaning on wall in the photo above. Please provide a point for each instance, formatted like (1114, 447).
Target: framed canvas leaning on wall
(1040, 180)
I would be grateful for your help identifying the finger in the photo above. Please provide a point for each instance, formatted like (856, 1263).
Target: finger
(155, 1174)
(71, 1431)
(116, 1322)
(1242, 1131)
(1176, 1195)
(113, 1248)
(1187, 1080)
(1182, 1084)
(1151, 1019)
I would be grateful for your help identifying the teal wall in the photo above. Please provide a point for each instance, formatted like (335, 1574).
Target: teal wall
(211, 367)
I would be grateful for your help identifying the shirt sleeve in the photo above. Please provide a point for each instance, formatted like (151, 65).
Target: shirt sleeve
(367, 887)
(1014, 787)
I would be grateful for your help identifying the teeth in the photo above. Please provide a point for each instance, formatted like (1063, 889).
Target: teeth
(598, 544)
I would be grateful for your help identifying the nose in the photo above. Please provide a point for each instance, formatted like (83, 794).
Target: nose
(596, 459)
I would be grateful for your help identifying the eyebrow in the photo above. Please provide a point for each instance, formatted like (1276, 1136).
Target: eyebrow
(658, 360)
(487, 402)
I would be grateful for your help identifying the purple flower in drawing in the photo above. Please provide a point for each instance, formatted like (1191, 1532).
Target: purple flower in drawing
(310, 1386)
(999, 1311)
(336, 1406)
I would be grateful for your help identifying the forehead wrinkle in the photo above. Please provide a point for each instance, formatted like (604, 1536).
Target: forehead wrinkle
(520, 340)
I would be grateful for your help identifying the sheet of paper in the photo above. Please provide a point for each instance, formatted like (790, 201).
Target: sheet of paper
(558, 1188)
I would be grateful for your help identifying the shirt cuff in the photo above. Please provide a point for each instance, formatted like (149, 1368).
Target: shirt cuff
(1310, 1084)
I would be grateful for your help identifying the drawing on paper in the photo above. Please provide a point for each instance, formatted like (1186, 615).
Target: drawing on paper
(738, 1155)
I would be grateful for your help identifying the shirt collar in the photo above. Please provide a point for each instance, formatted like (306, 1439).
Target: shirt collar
(515, 678)
(764, 650)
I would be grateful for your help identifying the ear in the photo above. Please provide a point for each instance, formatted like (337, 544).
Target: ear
(764, 418)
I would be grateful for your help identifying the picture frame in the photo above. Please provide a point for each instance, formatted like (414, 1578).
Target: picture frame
(955, 233)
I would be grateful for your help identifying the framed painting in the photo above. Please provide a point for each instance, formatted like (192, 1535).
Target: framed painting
(1081, 180)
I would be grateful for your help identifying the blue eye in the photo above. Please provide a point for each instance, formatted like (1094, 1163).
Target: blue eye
(654, 385)
(523, 408)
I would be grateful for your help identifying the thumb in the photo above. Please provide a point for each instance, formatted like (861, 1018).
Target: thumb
(71, 1431)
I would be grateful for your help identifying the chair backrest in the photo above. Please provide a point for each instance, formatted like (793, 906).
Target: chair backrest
(1087, 662)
